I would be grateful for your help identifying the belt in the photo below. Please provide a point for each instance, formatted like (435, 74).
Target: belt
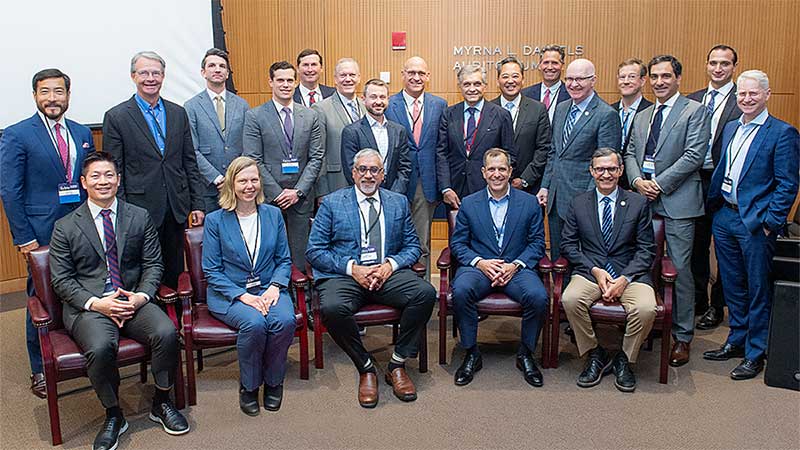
(732, 206)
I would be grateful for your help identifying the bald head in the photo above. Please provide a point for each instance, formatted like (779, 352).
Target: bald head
(415, 75)
(580, 79)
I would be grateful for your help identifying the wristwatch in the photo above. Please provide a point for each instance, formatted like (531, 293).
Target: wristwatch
(277, 285)
(524, 183)
(300, 194)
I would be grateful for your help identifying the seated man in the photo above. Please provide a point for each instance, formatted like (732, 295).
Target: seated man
(106, 285)
(608, 239)
(498, 240)
(362, 245)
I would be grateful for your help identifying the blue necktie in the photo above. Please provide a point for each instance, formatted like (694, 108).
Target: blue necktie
(470, 128)
(625, 116)
(573, 114)
(655, 131)
(710, 106)
(354, 114)
(607, 227)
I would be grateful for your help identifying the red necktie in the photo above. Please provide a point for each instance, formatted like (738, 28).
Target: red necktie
(63, 151)
(311, 99)
(417, 130)
(547, 99)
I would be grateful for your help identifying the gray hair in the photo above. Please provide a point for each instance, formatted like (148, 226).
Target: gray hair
(365, 152)
(756, 75)
(469, 69)
(147, 55)
(606, 151)
(345, 61)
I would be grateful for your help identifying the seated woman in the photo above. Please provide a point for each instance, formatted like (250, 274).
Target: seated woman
(247, 265)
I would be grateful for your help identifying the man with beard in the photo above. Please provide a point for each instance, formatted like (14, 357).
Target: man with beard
(40, 162)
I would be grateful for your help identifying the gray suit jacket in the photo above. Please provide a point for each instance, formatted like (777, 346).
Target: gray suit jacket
(679, 154)
(264, 141)
(214, 148)
(333, 118)
(78, 267)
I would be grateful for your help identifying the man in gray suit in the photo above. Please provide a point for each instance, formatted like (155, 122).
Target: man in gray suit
(335, 113)
(216, 117)
(664, 155)
(285, 139)
(580, 127)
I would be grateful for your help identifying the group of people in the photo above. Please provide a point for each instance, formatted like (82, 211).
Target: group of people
(370, 169)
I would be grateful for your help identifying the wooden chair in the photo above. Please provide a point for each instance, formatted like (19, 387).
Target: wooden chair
(62, 357)
(202, 331)
(663, 275)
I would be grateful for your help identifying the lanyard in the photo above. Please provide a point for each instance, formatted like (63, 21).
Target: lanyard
(499, 231)
(411, 116)
(347, 112)
(741, 145)
(252, 256)
(364, 222)
(469, 140)
(553, 97)
(55, 144)
(716, 105)
(283, 128)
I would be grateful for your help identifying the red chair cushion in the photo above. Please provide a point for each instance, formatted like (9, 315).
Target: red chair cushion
(376, 314)
(494, 304)
(70, 362)
(211, 332)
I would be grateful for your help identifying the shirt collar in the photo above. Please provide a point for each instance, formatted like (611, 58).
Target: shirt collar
(214, 95)
(360, 197)
(670, 101)
(345, 101)
(759, 120)
(556, 86)
(144, 106)
(51, 124)
(504, 197)
(95, 209)
(634, 106)
(478, 106)
(724, 90)
(304, 92)
(279, 107)
(585, 102)
(517, 100)
(410, 100)
(373, 122)
(613, 196)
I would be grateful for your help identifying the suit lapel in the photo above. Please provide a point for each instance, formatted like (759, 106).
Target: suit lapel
(262, 250)
(559, 120)
(485, 218)
(366, 130)
(274, 120)
(211, 111)
(392, 133)
(341, 110)
(458, 120)
(427, 120)
(138, 119)
(595, 219)
(583, 119)
(727, 112)
(300, 116)
(85, 222)
(755, 146)
(41, 132)
(672, 119)
(512, 219)
(522, 116)
(486, 120)
(620, 210)
(234, 234)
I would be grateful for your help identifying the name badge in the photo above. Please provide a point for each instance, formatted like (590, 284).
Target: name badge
(68, 193)
(252, 282)
(649, 165)
(727, 185)
(290, 165)
(369, 255)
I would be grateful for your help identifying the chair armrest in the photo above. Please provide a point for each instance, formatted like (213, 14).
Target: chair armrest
(166, 295)
(545, 265)
(419, 269)
(561, 265)
(39, 315)
(668, 272)
(443, 263)
(185, 288)
(298, 279)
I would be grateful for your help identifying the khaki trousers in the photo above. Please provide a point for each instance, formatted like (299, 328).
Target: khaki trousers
(422, 215)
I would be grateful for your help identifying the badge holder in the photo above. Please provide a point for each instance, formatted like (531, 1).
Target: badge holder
(68, 193)
(290, 166)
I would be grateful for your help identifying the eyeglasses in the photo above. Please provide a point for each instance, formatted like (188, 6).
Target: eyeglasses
(579, 80)
(602, 170)
(362, 170)
(630, 76)
(150, 73)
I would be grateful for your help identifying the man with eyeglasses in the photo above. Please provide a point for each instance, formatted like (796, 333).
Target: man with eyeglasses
(550, 91)
(608, 239)
(580, 127)
(361, 247)
(631, 75)
(151, 141)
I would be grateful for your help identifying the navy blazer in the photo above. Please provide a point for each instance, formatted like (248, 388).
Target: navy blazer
(397, 166)
(769, 179)
(226, 262)
(335, 235)
(454, 169)
(423, 156)
(474, 235)
(30, 172)
(326, 92)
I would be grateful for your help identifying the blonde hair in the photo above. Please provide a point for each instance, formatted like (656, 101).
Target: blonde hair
(227, 195)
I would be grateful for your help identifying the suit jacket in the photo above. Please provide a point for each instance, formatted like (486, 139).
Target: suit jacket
(643, 104)
(523, 238)
(535, 92)
(335, 235)
(768, 183)
(264, 141)
(679, 154)
(149, 179)
(730, 112)
(326, 92)
(423, 156)
(397, 165)
(31, 172)
(454, 169)
(632, 248)
(532, 140)
(214, 148)
(226, 261)
(332, 119)
(78, 267)
(567, 173)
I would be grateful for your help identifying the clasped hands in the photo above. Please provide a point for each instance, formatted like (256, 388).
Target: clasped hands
(611, 288)
(262, 302)
(497, 270)
(648, 188)
(117, 309)
(372, 277)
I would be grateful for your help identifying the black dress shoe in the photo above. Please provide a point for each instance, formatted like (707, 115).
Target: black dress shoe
(625, 380)
(108, 437)
(747, 369)
(724, 353)
(530, 372)
(273, 396)
(248, 401)
(711, 319)
(471, 364)
(38, 385)
(597, 365)
(170, 418)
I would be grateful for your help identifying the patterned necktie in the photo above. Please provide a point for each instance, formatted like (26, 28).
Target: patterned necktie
(546, 99)
(354, 115)
(711, 97)
(510, 107)
(417, 130)
(288, 127)
(625, 117)
(311, 99)
(655, 131)
(374, 234)
(63, 151)
(606, 228)
(470, 138)
(573, 115)
(111, 251)
(220, 111)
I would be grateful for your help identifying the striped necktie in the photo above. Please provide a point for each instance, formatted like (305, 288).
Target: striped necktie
(607, 228)
(111, 251)
(573, 114)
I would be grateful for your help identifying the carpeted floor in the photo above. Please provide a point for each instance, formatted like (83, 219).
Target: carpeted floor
(700, 408)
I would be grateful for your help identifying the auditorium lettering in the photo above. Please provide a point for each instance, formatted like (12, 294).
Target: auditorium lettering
(488, 56)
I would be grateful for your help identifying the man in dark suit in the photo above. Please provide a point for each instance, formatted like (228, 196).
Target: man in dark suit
(285, 139)
(466, 131)
(631, 75)
(580, 127)
(719, 99)
(532, 137)
(40, 161)
(375, 131)
(362, 245)
(105, 265)
(151, 140)
(752, 191)
(498, 240)
(309, 67)
(216, 117)
(608, 239)
(550, 91)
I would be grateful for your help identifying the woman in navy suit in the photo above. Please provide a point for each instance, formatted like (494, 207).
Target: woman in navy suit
(247, 265)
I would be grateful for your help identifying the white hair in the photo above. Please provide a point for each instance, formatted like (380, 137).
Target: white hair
(755, 75)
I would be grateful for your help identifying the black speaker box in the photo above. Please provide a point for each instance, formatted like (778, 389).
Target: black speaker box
(783, 351)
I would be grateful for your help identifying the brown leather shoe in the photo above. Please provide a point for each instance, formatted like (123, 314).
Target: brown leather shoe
(402, 386)
(368, 390)
(680, 354)
(38, 385)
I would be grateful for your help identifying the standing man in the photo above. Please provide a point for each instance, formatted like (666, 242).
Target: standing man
(151, 141)
(286, 141)
(664, 154)
(631, 75)
(419, 112)
(550, 91)
(532, 137)
(40, 162)
(309, 67)
(719, 99)
(752, 191)
(580, 127)
(216, 118)
(376, 132)
(466, 131)
(335, 113)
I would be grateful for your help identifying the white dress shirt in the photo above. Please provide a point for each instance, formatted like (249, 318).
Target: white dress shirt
(213, 95)
(381, 133)
(409, 100)
(249, 225)
(719, 105)
(554, 90)
(306, 99)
